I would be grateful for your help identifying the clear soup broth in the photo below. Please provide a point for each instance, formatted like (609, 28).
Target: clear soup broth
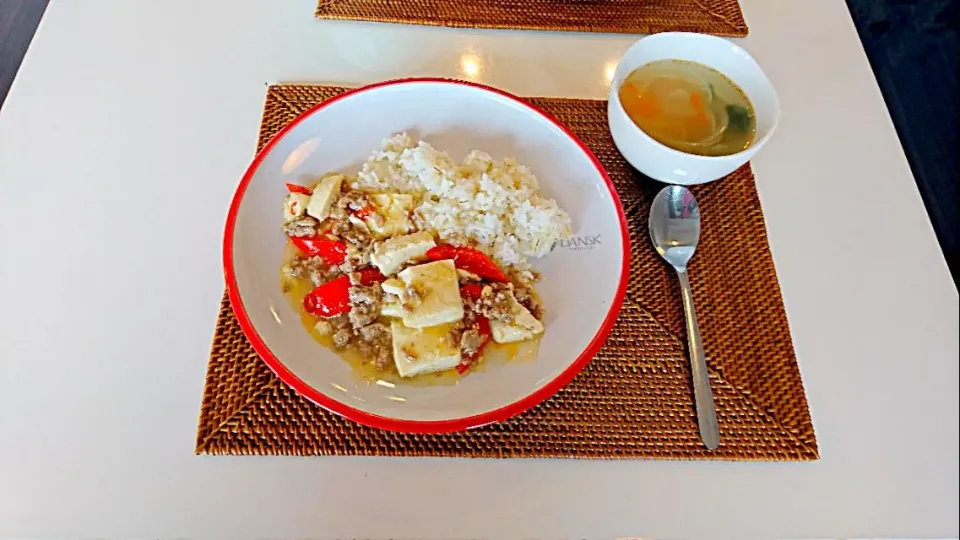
(689, 107)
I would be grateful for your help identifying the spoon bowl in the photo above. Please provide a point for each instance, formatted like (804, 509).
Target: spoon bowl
(675, 225)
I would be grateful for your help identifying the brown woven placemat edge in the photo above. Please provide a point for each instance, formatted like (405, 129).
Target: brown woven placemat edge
(719, 17)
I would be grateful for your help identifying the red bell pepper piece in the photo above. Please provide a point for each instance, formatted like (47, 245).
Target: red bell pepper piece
(330, 299)
(295, 188)
(363, 213)
(333, 297)
(483, 326)
(471, 291)
(333, 252)
(469, 259)
(369, 276)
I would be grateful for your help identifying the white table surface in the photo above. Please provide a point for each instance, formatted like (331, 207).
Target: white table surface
(122, 140)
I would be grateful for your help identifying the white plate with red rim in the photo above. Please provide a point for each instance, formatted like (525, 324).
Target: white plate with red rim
(583, 283)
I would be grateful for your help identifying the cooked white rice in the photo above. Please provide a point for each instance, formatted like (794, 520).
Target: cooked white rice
(492, 203)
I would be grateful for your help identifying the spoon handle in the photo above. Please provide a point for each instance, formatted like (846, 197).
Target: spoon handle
(706, 413)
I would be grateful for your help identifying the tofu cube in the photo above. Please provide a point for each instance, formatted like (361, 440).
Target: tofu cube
(325, 193)
(359, 223)
(436, 284)
(523, 326)
(294, 206)
(391, 309)
(393, 286)
(388, 256)
(393, 211)
(423, 350)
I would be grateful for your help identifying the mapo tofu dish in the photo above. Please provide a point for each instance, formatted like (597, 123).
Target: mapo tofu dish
(417, 263)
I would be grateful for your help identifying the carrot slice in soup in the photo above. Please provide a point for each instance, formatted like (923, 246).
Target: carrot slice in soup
(696, 102)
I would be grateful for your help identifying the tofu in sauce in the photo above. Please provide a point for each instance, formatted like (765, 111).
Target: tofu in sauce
(406, 317)
(438, 290)
(523, 326)
(390, 255)
(325, 193)
(423, 350)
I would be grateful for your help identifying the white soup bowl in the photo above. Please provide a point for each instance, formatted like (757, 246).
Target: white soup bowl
(663, 163)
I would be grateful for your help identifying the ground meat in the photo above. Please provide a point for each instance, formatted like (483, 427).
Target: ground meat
(366, 350)
(365, 302)
(534, 306)
(342, 337)
(340, 321)
(340, 226)
(524, 292)
(384, 356)
(347, 203)
(374, 344)
(374, 332)
(354, 200)
(314, 268)
(379, 344)
(324, 328)
(358, 238)
(496, 303)
(363, 314)
(470, 342)
(469, 304)
(521, 293)
(363, 255)
(469, 317)
(305, 226)
(356, 259)
(527, 277)
(529, 299)
(319, 277)
(456, 331)
(343, 334)
(355, 234)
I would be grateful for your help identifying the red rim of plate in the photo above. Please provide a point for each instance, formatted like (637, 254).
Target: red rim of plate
(417, 426)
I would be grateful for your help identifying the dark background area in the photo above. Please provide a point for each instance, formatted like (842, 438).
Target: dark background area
(18, 22)
(913, 48)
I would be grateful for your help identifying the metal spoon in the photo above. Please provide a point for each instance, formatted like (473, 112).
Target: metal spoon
(675, 231)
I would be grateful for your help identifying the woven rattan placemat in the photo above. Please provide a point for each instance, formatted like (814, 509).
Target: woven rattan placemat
(634, 400)
(720, 17)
